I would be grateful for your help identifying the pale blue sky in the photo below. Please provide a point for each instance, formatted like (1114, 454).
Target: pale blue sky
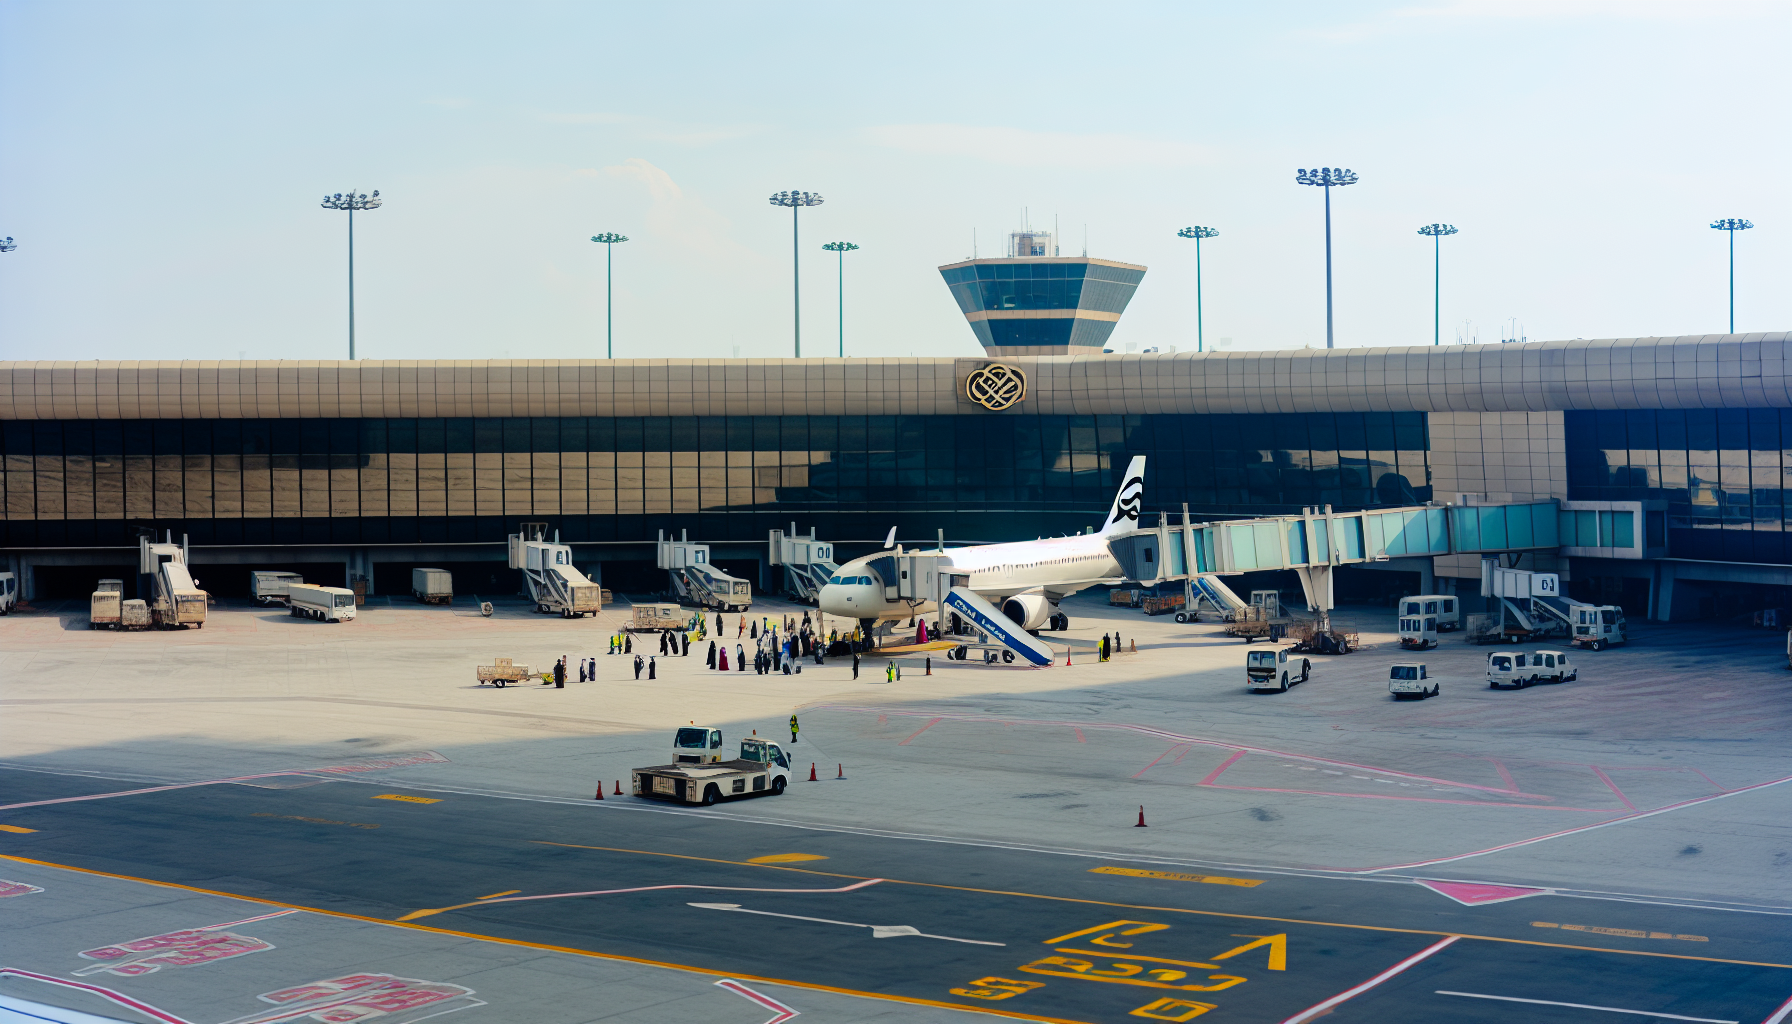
(164, 161)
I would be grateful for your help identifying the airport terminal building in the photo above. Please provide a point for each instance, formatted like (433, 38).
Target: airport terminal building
(370, 468)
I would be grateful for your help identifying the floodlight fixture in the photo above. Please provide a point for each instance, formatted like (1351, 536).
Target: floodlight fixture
(351, 202)
(1437, 232)
(1197, 233)
(609, 240)
(841, 248)
(796, 200)
(1731, 225)
(1327, 178)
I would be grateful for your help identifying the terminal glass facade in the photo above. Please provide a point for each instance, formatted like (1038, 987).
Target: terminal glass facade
(1724, 474)
(378, 481)
(986, 286)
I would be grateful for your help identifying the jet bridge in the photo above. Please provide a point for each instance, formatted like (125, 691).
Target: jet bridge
(554, 585)
(807, 562)
(1319, 540)
(695, 580)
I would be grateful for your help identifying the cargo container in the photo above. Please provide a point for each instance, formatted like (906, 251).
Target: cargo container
(432, 586)
(269, 587)
(105, 608)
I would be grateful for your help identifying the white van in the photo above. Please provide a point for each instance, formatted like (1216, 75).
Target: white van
(1597, 626)
(1410, 681)
(9, 592)
(1447, 609)
(1274, 670)
(325, 604)
(1418, 632)
(1553, 667)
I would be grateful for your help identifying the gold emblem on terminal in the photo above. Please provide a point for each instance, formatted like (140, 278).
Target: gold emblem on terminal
(996, 387)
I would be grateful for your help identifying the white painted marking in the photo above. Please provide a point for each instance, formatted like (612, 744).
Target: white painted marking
(783, 1012)
(878, 931)
(1315, 1010)
(1780, 1014)
(1586, 1006)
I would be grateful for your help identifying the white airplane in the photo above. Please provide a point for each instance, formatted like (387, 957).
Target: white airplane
(1025, 579)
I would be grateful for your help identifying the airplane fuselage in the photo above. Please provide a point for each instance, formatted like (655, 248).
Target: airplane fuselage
(1056, 567)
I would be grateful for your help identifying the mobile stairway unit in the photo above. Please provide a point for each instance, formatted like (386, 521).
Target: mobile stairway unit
(696, 581)
(554, 585)
(175, 600)
(807, 562)
(1530, 606)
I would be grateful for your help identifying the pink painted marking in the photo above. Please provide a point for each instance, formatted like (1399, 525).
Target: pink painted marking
(1414, 799)
(1607, 779)
(1227, 763)
(104, 993)
(652, 888)
(1158, 758)
(1079, 735)
(1318, 1008)
(1146, 730)
(783, 1012)
(918, 732)
(1505, 776)
(1570, 831)
(1474, 894)
(1778, 1016)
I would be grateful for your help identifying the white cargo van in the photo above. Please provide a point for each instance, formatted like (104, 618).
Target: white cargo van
(325, 604)
(1597, 626)
(1446, 609)
(270, 587)
(1553, 667)
(1418, 632)
(1274, 670)
(9, 592)
(1410, 681)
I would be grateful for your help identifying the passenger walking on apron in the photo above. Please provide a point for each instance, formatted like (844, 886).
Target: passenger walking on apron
(724, 658)
(628, 643)
(740, 659)
(712, 653)
(651, 673)
(855, 664)
(638, 664)
(560, 674)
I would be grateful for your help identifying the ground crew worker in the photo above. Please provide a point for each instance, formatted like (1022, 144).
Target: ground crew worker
(890, 672)
(793, 729)
(855, 664)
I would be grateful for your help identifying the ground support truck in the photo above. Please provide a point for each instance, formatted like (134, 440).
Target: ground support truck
(105, 609)
(432, 586)
(762, 768)
(270, 587)
(325, 604)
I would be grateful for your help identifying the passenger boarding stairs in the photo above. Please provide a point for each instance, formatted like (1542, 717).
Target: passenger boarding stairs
(695, 580)
(554, 585)
(808, 563)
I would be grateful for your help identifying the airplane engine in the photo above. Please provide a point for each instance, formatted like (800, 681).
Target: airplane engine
(1032, 611)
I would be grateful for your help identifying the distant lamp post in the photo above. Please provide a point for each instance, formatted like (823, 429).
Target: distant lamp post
(1437, 232)
(352, 202)
(796, 201)
(1197, 233)
(1727, 224)
(8, 245)
(842, 248)
(1326, 178)
(609, 240)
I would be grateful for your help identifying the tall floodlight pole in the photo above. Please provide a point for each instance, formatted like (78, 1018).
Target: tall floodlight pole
(352, 202)
(1437, 232)
(1326, 177)
(842, 248)
(1197, 233)
(796, 201)
(609, 240)
(1730, 225)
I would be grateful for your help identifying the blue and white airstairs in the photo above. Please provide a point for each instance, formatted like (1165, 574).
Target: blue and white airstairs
(807, 562)
(984, 617)
(1319, 540)
(921, 583)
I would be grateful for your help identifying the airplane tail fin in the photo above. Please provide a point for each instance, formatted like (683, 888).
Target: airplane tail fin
(1124, 515)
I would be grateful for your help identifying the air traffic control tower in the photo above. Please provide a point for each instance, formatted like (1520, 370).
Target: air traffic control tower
(1037, 303)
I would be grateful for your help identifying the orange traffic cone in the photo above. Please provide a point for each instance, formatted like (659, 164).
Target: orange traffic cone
(812, 777)
(842, 771)
(1141, 823)
(600, 792)
(618, 788)
(1066, 657)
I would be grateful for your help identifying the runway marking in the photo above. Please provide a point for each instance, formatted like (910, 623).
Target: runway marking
(1318, 1008)
(1585, 1006)
(415, 914)
(1780, 1014)
(783, 1012)
(507, 892)
(98, 990)
(785, 858)
(1607, 779)
(366, 765)
(878, 931)
(408, 799)
(1136, 906)
(1217, 772)
(16, 828)
(1174, 876)
(1629, 933)
(918, 732)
